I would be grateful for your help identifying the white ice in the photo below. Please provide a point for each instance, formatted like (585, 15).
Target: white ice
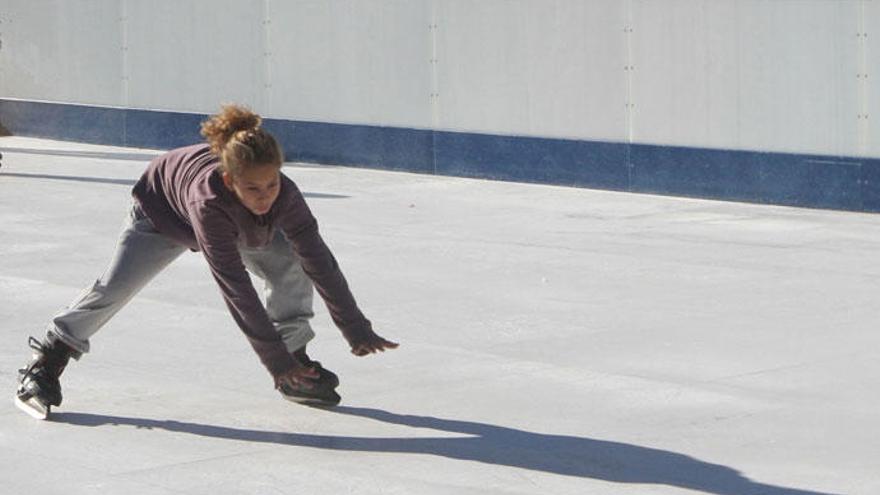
(553, 341)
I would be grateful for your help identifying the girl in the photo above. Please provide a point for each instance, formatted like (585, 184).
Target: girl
(229, 200)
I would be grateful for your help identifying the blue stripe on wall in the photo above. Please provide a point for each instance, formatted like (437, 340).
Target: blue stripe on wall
(777, 178)
(386, 148)
(63, 121)
(548, 161)
(112, 126)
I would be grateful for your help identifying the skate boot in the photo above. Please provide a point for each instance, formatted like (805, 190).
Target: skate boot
(323, 391)
(39, 388)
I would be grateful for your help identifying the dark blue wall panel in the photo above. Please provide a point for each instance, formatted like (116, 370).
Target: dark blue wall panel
(67, 122)
(778, 178)
(528, 159)
(387, 148)
(150, 129)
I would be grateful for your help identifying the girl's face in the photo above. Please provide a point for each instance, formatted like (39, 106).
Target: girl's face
(257, 187)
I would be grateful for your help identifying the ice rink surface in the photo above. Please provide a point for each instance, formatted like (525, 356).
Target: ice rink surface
(553, 341)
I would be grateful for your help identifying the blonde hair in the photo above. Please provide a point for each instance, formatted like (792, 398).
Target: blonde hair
(235, 135)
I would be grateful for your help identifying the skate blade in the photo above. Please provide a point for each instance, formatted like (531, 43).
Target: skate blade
(314, 401)
(33, 408)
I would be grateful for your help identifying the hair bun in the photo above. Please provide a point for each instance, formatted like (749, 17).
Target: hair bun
(232, 119)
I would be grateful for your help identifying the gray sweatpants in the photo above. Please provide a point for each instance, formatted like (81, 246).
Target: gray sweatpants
(142, 252)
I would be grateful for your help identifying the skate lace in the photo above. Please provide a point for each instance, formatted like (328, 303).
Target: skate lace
(37, 346)
(51, 359)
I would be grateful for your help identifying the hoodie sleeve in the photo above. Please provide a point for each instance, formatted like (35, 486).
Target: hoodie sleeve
(301, 228)
(217, 238)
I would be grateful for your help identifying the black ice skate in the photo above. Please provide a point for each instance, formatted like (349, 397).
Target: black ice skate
(323, 391)
(39, 388)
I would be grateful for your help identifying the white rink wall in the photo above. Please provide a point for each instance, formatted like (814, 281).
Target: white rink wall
(793, 76)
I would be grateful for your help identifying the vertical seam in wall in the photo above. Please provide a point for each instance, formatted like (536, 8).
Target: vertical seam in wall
(267, 59)
(3, 19)
(126, 69)
(706, 18)
(737, 142)
(434, 98)
(862, 125)
(837, 102)
(628, 105)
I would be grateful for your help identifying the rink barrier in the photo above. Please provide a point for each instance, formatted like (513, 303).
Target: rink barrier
(815, 181)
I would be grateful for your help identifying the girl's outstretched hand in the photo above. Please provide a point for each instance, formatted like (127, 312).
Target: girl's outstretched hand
(372, 344)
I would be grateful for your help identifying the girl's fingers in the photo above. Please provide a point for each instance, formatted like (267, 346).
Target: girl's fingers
(377, 345)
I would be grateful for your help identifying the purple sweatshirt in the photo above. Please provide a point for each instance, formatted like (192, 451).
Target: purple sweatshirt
(183, 194)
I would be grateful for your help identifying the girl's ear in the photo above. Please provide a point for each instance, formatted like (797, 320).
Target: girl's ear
(227, 179)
